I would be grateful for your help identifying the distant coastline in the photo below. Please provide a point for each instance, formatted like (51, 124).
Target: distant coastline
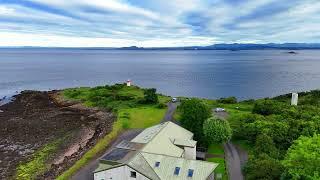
(231, 47)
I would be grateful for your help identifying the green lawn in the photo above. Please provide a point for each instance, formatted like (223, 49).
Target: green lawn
(141, 117)
(216, 149)
(221, 169)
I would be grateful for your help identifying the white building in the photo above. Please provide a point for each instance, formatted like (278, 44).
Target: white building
(165, 151)
(128, 82)
(294, 99)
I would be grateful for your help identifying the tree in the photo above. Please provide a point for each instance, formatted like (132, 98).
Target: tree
(217, 130)
(265, 144)
(228, 100)
(249, 126)
(268, 107)
(263, 167)
(150, 96)
(303, 158)
(193, 113)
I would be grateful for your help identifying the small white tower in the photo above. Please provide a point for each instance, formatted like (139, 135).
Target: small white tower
(128, 82)
(294, 99)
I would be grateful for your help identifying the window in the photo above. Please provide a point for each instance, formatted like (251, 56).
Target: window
(157, 164)
(190, 172)
(176, 171)
(133, 174)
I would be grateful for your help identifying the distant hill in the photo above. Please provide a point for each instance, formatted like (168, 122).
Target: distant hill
(264, 46)
(236, 46)
(232, 47)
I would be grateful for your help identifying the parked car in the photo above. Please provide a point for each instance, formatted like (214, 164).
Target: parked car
(174, 100)
(219, 110)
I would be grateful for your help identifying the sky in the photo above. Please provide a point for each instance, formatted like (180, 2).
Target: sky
(156, 23)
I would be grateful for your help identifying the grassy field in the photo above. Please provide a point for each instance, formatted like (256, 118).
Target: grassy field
(141, 117)
(126, 103)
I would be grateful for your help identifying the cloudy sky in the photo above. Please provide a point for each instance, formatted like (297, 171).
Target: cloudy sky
(154, 23)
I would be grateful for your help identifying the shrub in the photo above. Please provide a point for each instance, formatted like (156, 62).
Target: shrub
(72, 93)
(150, 96)
(161, 106)
(228, 100)
(123, 98)
(216, 130)
(267, 107)
(125, 123)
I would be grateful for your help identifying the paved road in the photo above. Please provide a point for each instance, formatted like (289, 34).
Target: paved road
(86, 172)
(169, 114)
(233, 162)
(235, 157)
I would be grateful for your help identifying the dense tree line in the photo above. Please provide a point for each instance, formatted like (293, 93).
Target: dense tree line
(277, 131)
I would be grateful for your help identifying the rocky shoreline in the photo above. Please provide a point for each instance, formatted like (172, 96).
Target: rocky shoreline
(36, 118)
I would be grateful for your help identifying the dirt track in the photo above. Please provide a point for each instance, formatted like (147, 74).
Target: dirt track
(35, 118)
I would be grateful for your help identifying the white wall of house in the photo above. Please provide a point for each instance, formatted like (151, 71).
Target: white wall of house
(122, 172)
(190, 152)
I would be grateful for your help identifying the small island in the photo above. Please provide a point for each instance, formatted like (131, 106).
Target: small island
(292, 52)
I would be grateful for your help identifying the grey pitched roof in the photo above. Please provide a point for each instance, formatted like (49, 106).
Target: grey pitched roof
(159, 144)
(201, 169)
(140, 164)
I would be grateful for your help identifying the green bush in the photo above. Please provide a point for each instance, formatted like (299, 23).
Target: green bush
(228, 100)
(150, 96)
(125, 123)
(216, 130)
(161, 106)
(268, 107)
(72, 93)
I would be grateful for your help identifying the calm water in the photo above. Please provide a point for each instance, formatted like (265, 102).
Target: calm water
(208, 74)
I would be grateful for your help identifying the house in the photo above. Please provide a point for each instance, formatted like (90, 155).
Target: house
(162, 152)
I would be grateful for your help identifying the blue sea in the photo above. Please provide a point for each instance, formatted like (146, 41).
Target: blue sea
(196, 73)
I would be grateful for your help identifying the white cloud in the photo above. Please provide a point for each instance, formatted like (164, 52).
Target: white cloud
(155, 23)
(6, 10)
(44, 40)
